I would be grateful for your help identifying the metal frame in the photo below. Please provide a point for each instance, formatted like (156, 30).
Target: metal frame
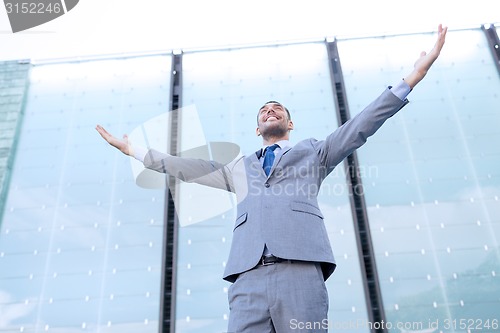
(371, 285)
(171, 222)
(493, 42)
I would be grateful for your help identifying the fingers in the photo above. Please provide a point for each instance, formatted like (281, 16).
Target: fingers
(441, 34)
(101, 130)
(105, 135)
(436, 50)
(441, 30)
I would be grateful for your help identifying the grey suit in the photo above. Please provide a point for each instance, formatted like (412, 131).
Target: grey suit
(281, 210)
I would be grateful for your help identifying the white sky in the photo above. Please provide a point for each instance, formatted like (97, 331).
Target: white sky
(96, 27)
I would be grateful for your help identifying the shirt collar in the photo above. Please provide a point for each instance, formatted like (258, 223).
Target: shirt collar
(283, 144)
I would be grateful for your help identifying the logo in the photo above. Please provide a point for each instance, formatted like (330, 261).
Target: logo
(152, 134)
(28, 14)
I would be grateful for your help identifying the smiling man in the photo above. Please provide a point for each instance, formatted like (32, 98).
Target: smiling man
(280, 253)
(273, 122)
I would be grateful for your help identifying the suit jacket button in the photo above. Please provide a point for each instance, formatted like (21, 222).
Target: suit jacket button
(267, 185)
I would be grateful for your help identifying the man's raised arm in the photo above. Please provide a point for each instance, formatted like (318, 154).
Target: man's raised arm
(209, 173)
(354, 133)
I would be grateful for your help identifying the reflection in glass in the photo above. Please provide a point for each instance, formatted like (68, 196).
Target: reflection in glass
(227, 88)
(433, 207)
(80, 244)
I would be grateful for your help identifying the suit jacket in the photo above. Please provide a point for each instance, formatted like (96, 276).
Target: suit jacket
(281, 210)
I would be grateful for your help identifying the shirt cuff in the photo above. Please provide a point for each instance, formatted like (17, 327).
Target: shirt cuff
(139, 153)
(401, 90)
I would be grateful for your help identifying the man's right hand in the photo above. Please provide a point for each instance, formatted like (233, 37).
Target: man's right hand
(122, 145)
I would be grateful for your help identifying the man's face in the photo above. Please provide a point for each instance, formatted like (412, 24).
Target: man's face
(273, 121)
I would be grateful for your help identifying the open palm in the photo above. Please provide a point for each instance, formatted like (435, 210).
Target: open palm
(425, 61)
(123, 145)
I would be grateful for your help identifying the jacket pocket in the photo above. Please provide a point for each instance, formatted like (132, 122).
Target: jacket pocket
(305, 208)
(240, 220)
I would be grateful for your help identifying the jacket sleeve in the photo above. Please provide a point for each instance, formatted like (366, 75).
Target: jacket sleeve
(354, 133)
(191, 170)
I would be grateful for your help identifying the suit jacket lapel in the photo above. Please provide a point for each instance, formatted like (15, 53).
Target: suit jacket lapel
(278, 160)
(255, 161)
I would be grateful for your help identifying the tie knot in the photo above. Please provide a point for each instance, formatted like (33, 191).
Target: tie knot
(272, 148)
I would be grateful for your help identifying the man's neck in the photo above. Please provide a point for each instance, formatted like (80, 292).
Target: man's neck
(273, 140)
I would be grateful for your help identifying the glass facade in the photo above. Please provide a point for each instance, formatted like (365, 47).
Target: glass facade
(228, 88)
(433, 202)
(81, 243)
(14, 76)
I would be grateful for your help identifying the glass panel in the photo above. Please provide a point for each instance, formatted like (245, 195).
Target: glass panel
(81, 244)
(227, 88)
(433, 205)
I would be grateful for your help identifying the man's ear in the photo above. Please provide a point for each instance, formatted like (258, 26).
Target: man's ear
(257, 131)
(290, 125)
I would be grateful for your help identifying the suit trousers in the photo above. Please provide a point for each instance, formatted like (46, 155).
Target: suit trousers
(280, 298)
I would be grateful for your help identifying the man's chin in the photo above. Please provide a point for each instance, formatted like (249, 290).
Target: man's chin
(273, 132)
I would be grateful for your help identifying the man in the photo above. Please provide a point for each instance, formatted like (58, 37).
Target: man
(280, 254)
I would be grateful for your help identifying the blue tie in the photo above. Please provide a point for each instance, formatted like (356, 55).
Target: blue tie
(269, 158)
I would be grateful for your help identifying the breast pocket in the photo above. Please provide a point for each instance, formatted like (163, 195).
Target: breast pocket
(240, 220)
